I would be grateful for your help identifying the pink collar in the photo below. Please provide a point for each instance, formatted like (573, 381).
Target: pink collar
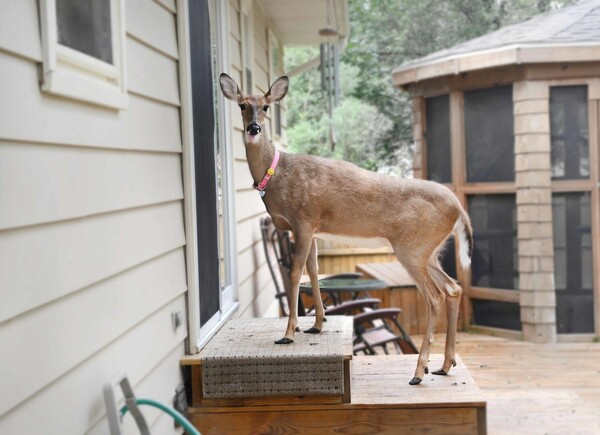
(263, 184)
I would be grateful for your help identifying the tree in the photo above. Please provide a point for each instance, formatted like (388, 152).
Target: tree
(384, 35)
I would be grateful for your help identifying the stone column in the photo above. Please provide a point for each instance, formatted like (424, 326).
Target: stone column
(417, 123)
(534, 211)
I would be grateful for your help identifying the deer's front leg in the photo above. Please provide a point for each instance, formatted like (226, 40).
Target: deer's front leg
(313, 272)
(303, 239)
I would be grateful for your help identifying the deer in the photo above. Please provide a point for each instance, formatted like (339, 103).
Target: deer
(315, 197)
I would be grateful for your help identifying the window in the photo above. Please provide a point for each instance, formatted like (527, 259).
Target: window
(497, 314)
(495, 258)
(211, 232)
(437, 125)
(247, 45)
(489, 135)
(276, 70)
(569, 130)
(83, 55)
(573, 264)
(494, 262)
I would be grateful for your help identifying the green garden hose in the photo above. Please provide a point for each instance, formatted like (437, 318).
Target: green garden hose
(184, 422)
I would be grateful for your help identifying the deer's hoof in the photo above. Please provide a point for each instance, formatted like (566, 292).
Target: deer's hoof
(440, 372)
(284, 340)
(297, 329)
(313, 330)
(415, 381)
(426, 370)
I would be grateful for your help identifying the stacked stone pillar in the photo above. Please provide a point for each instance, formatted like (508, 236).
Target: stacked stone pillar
(534, 211)
(417, 122)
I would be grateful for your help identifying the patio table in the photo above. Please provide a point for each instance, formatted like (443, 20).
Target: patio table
(341, 286)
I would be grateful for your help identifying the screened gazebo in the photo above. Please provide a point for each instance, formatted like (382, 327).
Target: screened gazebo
(510, 121)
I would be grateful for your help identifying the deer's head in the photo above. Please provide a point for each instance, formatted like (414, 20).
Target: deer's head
(254, 107)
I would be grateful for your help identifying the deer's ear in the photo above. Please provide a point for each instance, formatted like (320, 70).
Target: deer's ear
(278, 90)
(230, 88)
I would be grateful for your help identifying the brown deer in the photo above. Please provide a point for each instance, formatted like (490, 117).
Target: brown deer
(312, 195)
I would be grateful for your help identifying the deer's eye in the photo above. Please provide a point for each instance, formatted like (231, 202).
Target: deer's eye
(242, 106)
(265, 108)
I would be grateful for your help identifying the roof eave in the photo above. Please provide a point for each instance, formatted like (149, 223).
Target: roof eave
(502, 56)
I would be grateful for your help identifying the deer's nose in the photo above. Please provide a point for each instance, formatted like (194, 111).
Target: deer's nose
(253, 128)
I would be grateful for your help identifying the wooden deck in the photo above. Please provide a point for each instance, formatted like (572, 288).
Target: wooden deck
(533, 388)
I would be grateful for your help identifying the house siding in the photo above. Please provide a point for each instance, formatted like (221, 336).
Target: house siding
(91, 232)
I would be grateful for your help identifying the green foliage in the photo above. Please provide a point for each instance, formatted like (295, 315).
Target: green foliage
(373, 124)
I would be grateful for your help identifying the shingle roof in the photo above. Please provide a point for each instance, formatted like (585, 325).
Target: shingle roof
(576, 24)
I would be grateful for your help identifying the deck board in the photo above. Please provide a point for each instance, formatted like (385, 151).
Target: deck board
(532, 388)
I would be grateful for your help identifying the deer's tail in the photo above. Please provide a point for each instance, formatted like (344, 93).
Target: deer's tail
(464, 235)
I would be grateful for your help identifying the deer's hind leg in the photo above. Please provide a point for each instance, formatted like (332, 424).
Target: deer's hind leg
(453, 295)
(313, 272)
(417, 264)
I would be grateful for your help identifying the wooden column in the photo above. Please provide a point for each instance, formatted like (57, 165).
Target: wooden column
(534, 210)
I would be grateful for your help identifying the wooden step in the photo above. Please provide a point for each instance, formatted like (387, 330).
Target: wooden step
(381, 402)
(242, 366)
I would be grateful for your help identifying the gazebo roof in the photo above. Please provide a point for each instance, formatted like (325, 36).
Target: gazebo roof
(568, 34)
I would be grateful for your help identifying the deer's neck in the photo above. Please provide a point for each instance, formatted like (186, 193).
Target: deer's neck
(260, 155)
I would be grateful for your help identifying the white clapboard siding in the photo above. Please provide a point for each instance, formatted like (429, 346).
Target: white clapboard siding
(237, 143)
(51, 261)
(248, 205)
(260, 28)
(158, 385)
(257, 293)
(44, 183)
(250, 260)
(19, 28)
(151, 73)
(248, 232)
(73, 403)
(261, 77)
(168, 4)
(242, 176)
(234, 24)
(110, 307)
(153, 24)
(26, 114)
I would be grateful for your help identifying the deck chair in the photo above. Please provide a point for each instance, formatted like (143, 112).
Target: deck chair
(279, 251)
(379, 328)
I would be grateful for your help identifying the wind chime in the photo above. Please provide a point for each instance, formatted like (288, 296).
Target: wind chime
(330, 66)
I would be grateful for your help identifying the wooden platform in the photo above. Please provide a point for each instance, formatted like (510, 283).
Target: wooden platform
(381, 402)
(530, 388)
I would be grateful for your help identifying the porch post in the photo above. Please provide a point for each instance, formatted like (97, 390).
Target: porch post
(534, 211)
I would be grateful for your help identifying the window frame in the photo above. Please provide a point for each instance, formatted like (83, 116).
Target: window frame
(590, 185)
(426, 139)
(463, 189)
(247, 44)
(73, 74)
(274, 74)
(200, 334)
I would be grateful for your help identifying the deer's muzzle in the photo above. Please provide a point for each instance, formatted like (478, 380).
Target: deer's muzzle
(253, 129)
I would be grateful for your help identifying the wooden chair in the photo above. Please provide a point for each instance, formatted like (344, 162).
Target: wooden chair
(279, 250)
(378, 328)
